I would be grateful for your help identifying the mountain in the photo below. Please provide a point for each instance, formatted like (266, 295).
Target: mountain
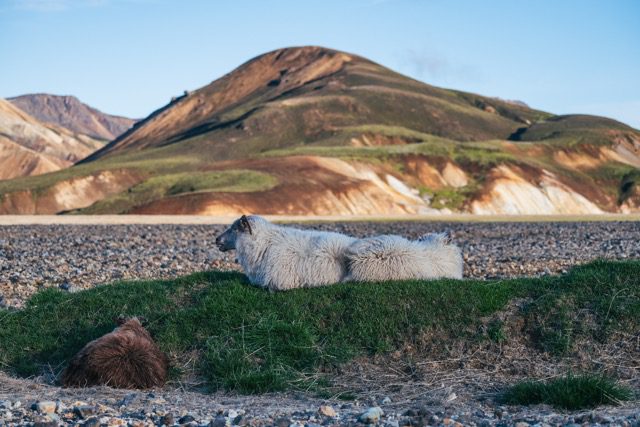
(68, 112)
(311, 130)
(28, 147)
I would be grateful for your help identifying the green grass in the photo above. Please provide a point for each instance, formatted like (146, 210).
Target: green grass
(448, 197)
(135, 162)
(484, 154)
(569, 392)
(162, 186)
(248, 340)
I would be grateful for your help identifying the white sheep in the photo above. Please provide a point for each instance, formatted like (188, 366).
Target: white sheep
(387, 257)
(280, 258)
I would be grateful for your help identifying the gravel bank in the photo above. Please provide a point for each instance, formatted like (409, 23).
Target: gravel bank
(80, 256)
(44, 405)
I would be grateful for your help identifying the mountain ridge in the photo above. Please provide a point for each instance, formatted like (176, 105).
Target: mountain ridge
(69, 112)
(332, 132)
(28, 147)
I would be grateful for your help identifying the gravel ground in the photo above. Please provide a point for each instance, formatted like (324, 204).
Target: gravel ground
(49, 406)
(80, 256)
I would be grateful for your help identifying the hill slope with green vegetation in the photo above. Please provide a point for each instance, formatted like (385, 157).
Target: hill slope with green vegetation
(217, 327)
(339, 134)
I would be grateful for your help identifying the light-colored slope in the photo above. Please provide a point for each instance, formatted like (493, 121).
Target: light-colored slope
(28, 147)
(69, 113)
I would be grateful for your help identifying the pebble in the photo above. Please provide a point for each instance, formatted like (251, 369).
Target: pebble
(45, 407)
(84, 411)
(327, 411)
(372, 415)
(220, 421)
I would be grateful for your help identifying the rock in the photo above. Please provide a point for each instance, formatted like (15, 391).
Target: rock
(282, 422)
(44, 422)
(522, 424)
(371, 415)
(84, 411)
(167, 420)
(327, 411)
(45, 407)
(186, 419)
(220, 421)
(92, 422)
(386, 400)
(128, 399)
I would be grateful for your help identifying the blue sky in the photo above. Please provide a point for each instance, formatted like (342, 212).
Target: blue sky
(129, 57)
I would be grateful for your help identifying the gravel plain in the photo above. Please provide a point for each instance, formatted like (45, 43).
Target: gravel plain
(74, 257)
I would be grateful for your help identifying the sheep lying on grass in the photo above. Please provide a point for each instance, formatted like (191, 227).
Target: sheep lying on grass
(279, 258)
(124, 358)
(395, 258)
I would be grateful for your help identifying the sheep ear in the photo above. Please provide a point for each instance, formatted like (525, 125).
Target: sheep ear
(447, 238)
(244, 224)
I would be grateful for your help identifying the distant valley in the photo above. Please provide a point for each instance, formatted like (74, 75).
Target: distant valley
(311, 130)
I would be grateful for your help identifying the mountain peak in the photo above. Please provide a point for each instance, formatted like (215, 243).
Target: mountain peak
(70, 113)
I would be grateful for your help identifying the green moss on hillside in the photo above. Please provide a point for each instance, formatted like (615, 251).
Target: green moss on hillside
(162, 186)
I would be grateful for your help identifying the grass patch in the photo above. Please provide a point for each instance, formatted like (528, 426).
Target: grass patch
(39, 184)
(448, 197)
(249, 340)
(485, 153)
(162, 186)
(569, 392)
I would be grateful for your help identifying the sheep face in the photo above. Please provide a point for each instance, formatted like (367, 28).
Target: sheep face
(227, 240)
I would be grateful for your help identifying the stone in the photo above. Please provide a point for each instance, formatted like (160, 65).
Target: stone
(220, 421)
(167, 420)
(84, 411)
(372, 415)
(327, 411)
(126, 401)
(282, 422)
(92, 422)
(44, 422)
(186, 419)
(45, 407)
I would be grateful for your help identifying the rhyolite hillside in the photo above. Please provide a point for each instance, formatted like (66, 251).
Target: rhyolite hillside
(30, 147)
(68, 112)
(309, 130)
